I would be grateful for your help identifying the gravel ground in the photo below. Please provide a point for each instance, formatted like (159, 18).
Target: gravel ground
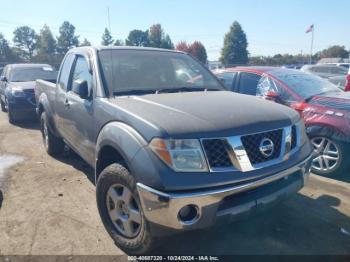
(48, 207)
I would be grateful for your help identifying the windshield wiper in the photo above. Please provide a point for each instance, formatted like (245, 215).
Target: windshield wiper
(135, 92)
(186, 89)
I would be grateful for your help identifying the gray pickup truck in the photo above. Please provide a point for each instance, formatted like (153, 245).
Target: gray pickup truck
(171, 149)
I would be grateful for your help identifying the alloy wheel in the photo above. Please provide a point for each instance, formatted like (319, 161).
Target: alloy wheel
(123, 210)
(45, 135)
(328, 154)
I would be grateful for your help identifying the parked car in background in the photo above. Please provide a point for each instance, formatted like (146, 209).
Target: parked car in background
(345, 65)
(172, 150)
(324, 107)
(17, 89)
(335, 74)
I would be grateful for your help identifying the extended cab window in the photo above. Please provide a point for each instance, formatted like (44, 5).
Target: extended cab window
(65, 72)
(248, 83)
(227, 79)
(81, 72)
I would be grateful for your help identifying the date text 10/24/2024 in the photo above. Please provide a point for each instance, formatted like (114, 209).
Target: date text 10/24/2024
(173, 258)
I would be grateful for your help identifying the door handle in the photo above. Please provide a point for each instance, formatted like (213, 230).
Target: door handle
(67, 103)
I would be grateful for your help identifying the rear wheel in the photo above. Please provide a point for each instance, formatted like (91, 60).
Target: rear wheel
(331, 158)
(53, 145)
(121, 212)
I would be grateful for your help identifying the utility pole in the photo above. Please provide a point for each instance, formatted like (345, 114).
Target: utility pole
(312, 43)
(109, 20)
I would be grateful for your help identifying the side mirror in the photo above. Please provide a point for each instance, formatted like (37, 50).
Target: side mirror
(272, 96)
(3, 79)
(80, 87)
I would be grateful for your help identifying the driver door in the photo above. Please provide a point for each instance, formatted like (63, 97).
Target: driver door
(81, 111)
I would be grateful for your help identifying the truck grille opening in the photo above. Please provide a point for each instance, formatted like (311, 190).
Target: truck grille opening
(294, 137)
(216, 152)
(251, 144)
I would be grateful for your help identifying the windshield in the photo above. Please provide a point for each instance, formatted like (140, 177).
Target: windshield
(128, 71)
(304, 84)
(32, 74)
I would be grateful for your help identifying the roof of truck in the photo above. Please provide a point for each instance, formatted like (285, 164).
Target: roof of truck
(99, 48)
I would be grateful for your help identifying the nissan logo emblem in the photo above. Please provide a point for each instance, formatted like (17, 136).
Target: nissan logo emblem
(266, 147)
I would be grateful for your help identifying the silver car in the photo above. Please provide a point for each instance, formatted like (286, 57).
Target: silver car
(335, 74)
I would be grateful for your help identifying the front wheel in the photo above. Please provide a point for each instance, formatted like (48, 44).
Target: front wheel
(3, 108)
(53, 145)
(331, 158)
(121, 212)
(12, 119)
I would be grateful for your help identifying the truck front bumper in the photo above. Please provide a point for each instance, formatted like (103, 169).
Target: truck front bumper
(201, 209)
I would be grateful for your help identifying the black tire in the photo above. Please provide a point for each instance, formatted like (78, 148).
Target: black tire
(53, 145)
(3, 108)
(343, 163)
(143, 242)
(10, 116)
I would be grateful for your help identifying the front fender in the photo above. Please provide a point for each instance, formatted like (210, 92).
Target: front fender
(123, 138)
(327, 131)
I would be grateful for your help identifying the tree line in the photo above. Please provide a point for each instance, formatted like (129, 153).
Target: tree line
(44, 47)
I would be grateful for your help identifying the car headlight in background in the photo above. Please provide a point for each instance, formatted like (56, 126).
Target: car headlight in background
(17, 92)
(180, 154)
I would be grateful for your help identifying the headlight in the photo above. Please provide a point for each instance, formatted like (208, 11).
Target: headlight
(302, 131)
(180, 154)
(17, 92)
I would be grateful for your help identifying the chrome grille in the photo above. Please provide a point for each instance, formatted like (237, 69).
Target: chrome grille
(243, 152)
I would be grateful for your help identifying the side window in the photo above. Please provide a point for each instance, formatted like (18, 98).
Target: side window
(248, 83)
(338, 70)
(65, 72)
(227, 79)
(266, 84)
(81, 72)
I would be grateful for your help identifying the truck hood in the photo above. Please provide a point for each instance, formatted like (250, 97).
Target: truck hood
(336, 100)
(203, 114)
(23, 85)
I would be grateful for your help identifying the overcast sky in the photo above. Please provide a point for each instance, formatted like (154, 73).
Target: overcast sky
(272, 26)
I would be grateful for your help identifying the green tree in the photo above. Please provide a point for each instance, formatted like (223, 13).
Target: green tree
(25, 39)
(334, 52)
(167, 43)
(118, 42)
(85, 43)
(107, 38)
(137, 38)
(6, 53)
(67, 38)
(46, 46)
(198, 51)
(158, 39)
(235, 46)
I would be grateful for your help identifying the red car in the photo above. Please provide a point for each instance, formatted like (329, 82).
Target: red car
(347, 84)
(324, 107)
